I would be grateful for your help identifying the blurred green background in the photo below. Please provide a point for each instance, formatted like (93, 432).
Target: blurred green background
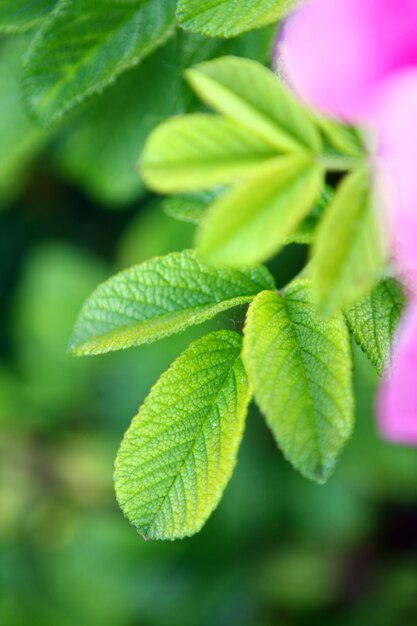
(279, 551)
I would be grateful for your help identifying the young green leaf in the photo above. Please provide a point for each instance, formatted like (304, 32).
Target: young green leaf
(196, 152)
(18, 16)
(191, 207)
(250, 94)
(160, 297)
(180, 451)
(374, 319)
(349, 252)
(252, 221)
(299, 365)
(84, 46)
(226, 18)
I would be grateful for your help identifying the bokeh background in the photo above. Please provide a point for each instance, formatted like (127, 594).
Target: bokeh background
(279, 551)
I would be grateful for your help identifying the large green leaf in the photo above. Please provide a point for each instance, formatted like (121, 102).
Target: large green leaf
(180, 450)
(195, 152)
(84, 46)
(252, 221)
(299, 366)
(251, 95)
(226, 18)
(374, 319)
(100, 149)
(349, 251)
(18, 16)
(160, 297)
(20, 140)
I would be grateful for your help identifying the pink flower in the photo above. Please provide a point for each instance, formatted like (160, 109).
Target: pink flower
(395, 115)
(339, 52)
(357, 60)
(397, 401)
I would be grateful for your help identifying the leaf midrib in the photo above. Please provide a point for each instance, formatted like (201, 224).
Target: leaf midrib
(191, 448)
(88, 344)
(307, 384)
(295, 142)
(343, 268)
(123, 65)
(74, 68)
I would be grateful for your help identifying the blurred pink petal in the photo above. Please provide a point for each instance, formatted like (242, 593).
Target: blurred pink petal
(357, 60)
(397, 401)
(395, 115)
(335, 53)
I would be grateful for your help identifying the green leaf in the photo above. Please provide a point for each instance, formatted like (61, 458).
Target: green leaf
(252, 222)
(160, 297)
(18, 16)
(100, 149)
(251, 95)
(180, 450)
(261, 120)
(226, 18)
(374, 319)
(349, 251)
(192, 206)
(84, 46)
(21, 140)
(199, 151)
(299, 366)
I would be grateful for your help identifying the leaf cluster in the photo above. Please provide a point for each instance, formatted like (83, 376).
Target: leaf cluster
(253, 176)
(180, 450)
(255, 170)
